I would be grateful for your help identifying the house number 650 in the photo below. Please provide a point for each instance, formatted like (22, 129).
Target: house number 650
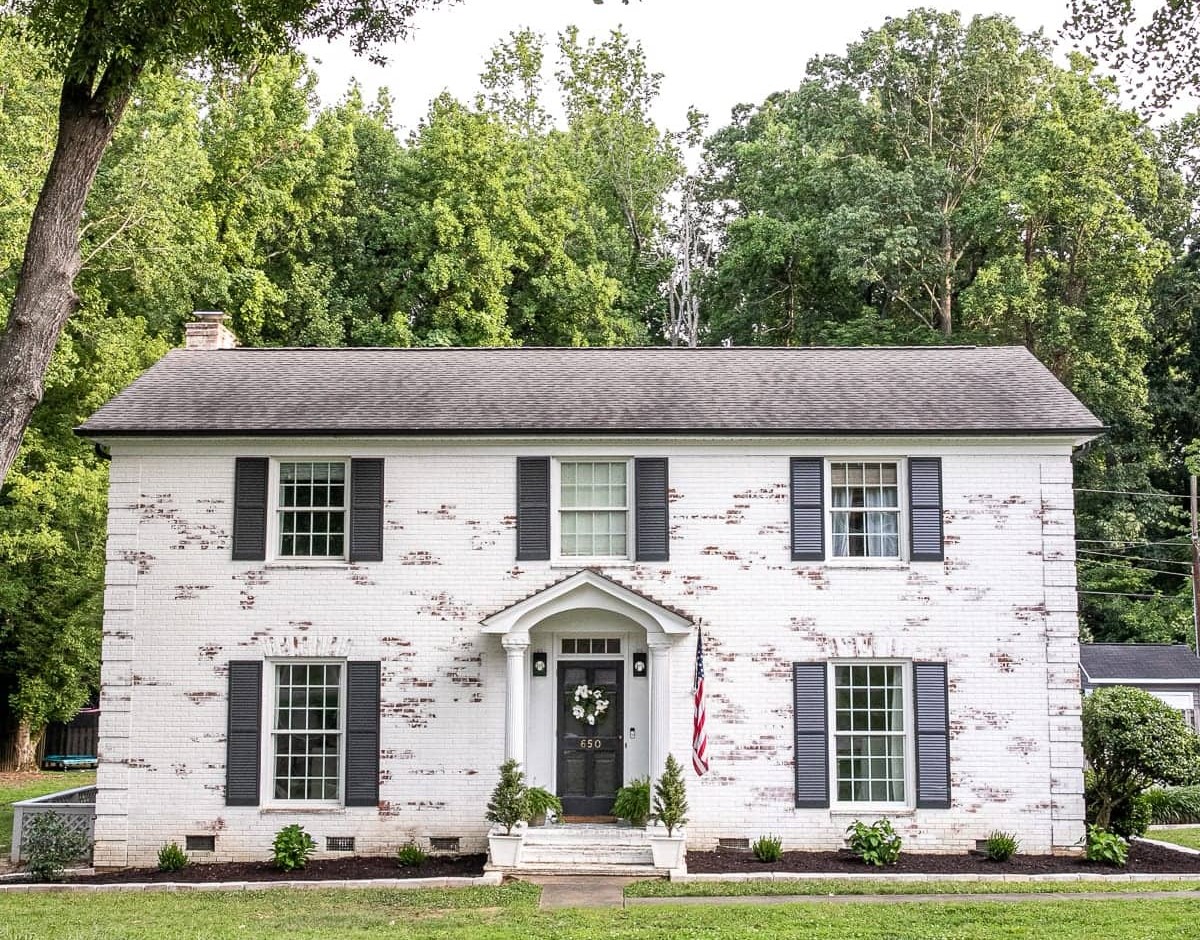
(589, 744)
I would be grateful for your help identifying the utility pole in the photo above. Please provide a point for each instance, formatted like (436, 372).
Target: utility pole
(1195, 568)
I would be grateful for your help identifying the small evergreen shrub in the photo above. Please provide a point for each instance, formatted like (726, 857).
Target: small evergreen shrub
(292, 848)
(51, 845)
(768, 848)
(541, 802)
(1001, 846)
(633, 802)
(670, 797)
(876, 844)
(411, 855)
(171, 857)
(1107, 848)
(510, 800)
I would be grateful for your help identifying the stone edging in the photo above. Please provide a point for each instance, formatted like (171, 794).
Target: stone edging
(915, 877)
(490, 879)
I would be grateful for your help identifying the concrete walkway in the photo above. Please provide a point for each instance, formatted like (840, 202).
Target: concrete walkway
(909, 898)
(581, 891)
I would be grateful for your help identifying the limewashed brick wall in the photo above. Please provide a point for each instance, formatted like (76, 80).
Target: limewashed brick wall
(1000, 610)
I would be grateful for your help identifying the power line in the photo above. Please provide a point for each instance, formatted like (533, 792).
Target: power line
(1174, 541)
(1157, 561)
(1081, 489)
(1113, 564)
(1169, 597)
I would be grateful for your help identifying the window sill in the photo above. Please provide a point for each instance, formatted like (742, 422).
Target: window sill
(309, 810)
(280, 564)
(844, 811)
(859, 564)
(592, 563)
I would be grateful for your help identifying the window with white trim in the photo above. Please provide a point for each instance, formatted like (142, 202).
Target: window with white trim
(593, 509)
(870, 731)
(311, 509)
(306, 731)
(864, 508)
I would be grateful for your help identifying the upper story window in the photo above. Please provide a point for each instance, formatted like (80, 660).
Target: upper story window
(593, 513)
(307, 731)
(865, 509)
(312, 509)
(870, 731)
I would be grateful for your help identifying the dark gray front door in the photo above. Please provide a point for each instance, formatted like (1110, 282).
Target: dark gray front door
(590, 757)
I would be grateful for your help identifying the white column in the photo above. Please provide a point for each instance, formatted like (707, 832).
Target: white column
(514, 701)
(660, 703)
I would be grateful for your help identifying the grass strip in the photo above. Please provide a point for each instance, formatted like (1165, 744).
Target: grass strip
(736, 889)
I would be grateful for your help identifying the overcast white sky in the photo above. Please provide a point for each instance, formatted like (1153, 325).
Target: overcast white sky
(713, 53)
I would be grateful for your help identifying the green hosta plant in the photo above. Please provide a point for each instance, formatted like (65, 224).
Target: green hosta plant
(1001, 846)
(171, 857)
(670, 797)
(292, 848)
(768, 848)
(411, 855)
(633, 802)
(1107, 848)
(876, 844)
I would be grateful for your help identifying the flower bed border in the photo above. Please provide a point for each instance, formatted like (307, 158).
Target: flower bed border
(487, 879)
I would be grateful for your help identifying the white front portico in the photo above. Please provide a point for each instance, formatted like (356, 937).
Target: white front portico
(588, 629)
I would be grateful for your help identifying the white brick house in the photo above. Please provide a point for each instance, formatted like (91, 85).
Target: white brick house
(343, 585)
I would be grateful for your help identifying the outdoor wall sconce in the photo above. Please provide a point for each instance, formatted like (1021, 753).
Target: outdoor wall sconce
(540, 665)
(639, 665)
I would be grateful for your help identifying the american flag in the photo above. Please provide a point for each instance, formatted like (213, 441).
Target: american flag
(699, 735)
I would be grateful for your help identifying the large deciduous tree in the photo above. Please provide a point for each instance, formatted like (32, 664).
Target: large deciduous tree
(102, 49)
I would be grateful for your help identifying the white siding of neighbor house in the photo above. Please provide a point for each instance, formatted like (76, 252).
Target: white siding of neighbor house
(1000, 610)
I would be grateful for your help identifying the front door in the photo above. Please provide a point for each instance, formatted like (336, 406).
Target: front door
(590, 755)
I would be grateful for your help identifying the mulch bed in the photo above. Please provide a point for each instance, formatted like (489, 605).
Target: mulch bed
(351, 868)
(1143, 859)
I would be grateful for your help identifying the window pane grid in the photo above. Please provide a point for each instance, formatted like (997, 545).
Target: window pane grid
(307, 731)
(312, 509)
(865, 509)
(593, 503)
(590, 645)
(870, 733)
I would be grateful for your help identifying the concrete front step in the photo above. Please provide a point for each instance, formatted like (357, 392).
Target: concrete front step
(626, 871)
(569, 855)
(587, 849)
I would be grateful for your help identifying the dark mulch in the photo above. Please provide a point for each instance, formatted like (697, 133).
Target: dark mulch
(328, 869)
(1143, 859)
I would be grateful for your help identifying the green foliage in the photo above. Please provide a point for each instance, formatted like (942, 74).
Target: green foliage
(768, 848)
(541, 802)
(1133, 741)
(1001, 846)
(171, 857)
(876, 844)
(670, 797)
(1173, 805)
(1106, 847)
(509, 804)
(633, 802)
(292, 848)
(411, 855)
(51, 845)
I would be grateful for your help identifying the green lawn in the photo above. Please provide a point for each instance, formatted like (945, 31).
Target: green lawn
(510, 913)
(733, 889)
(16, 787)
(1188, 837)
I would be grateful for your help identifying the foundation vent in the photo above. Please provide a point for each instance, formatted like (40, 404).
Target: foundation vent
(201, 843)
(734, 844)
(339, 843)
(444, 844)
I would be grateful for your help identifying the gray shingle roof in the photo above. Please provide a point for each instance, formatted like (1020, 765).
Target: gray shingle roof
(1138, 661)
(751, 390)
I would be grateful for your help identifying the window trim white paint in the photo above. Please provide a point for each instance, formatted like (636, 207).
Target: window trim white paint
(583, 561)
(910, 765)
(902, 514)
(270, 801)
(274, 557)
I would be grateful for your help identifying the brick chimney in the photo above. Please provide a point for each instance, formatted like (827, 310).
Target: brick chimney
(207, 331)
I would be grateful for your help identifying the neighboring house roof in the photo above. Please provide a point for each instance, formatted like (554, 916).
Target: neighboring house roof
(750, 390)
(1150, 663)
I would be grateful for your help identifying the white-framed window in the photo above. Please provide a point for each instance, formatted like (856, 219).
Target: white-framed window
(310, 508)
(864, 509)
(594, 508)
(870, 721)
(306, 722)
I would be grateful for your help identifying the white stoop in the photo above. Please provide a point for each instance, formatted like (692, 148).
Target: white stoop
(582, 849)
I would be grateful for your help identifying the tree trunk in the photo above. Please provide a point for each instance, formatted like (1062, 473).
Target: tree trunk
(944, 312)
(25, 757)
(45, 296)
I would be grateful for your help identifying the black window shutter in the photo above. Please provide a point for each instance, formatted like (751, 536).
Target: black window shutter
(808, 509)
(931, 698)
(811, 702)
(362, 734)
(925, 508)
(243, 738)
(653, 514)
(533, 508)
(250, 509)
(366, 509)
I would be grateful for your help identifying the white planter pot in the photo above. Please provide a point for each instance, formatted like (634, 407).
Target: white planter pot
(505, 851)
(668, 850)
